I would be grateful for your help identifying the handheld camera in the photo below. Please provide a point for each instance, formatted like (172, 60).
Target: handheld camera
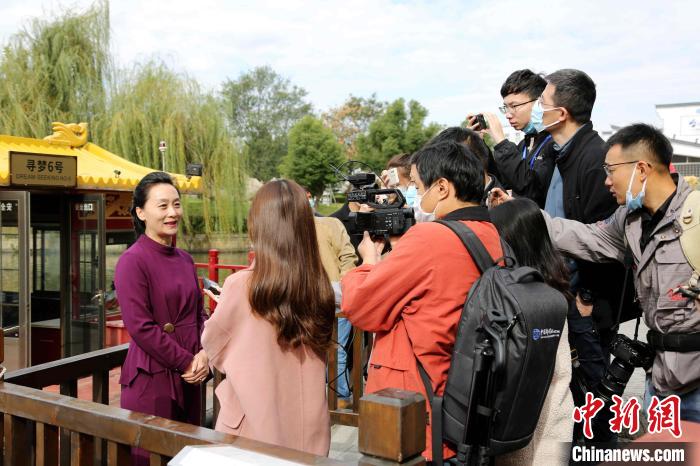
(480, 122)
(390, 216)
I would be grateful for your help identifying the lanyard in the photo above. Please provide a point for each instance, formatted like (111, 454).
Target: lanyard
(537, 151)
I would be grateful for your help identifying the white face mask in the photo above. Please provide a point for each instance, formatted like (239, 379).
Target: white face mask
(419, 213)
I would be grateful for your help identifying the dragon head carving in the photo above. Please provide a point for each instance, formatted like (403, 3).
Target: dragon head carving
(68, 134)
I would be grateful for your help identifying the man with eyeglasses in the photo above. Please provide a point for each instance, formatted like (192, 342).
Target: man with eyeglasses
(648, 226)
(576, 192)
(527, 167)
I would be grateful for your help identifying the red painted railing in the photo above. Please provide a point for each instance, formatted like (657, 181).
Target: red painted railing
(213, 267)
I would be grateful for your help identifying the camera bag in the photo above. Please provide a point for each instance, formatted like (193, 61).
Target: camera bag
(503, 358)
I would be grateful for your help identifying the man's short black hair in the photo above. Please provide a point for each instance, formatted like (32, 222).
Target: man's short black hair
(524, 81)
(466, 136)
(575, 91)
(650, 138)
(454, 162)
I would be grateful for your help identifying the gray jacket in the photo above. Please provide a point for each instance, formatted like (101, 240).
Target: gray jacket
(660, 269)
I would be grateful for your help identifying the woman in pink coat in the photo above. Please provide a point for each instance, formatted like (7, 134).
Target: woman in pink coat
(272, 327)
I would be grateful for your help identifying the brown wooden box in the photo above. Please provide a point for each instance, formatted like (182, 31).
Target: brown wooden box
(392, 424)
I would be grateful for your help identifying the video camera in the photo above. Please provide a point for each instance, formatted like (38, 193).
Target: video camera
(389, 218)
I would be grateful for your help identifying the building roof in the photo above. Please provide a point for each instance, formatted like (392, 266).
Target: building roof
(684, 104)
(98, 169)
(680, 141)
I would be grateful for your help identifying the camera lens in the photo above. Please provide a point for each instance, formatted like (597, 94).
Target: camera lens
(628, 355)
(615, 379)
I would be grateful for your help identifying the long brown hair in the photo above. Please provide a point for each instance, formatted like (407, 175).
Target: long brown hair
(289, 287)
(521, 224)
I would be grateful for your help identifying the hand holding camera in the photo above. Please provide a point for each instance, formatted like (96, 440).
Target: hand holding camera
(477, 122)
(487, 123)
(497, 196)
(390, 177)
(584, 302)
(370, 250)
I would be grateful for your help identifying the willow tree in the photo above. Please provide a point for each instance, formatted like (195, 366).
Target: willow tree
(152, 103)
(55, 71)
(62, 70)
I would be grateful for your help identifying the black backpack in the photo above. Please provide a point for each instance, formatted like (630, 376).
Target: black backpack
(503, 358)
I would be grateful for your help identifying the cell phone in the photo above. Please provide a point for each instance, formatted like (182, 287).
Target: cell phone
(480, 122)
(211, 286)
(393, 176)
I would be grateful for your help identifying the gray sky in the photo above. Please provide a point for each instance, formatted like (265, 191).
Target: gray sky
(451, 56)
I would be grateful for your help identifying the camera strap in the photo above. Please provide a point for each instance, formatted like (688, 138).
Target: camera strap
(627, 262)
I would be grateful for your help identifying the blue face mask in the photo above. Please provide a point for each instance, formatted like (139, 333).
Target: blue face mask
(536, 116)
(530, 128)
(635, 202)
(409, 193)
(312, 203)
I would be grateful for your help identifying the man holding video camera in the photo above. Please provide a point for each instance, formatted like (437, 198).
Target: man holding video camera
(413, 297)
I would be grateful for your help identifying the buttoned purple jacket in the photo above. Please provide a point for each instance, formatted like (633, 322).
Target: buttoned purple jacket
(157, 285)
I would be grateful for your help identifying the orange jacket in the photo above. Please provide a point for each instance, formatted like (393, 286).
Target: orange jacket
(413, 299)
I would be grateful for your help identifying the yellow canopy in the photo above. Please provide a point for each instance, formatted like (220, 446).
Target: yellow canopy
(98, 169)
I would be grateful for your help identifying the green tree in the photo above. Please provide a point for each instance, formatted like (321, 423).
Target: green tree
(351, 119)
(312, 147)
(399, 129)
(61, 70)
(56, 71)
(153, 103)
(261, 106)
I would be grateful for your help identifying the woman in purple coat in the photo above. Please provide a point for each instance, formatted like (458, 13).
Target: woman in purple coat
(163, 312)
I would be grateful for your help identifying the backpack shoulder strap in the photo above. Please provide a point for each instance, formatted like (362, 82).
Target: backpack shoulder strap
(436, 409)
(689, 222)
(474, 246)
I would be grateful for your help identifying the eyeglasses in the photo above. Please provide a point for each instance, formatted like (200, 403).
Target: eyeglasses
(513, 108)
(542, 102)
(607, 166)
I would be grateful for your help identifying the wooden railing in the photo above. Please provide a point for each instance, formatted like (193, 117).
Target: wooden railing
(360, 354)
(49, 428)
(58, 429)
